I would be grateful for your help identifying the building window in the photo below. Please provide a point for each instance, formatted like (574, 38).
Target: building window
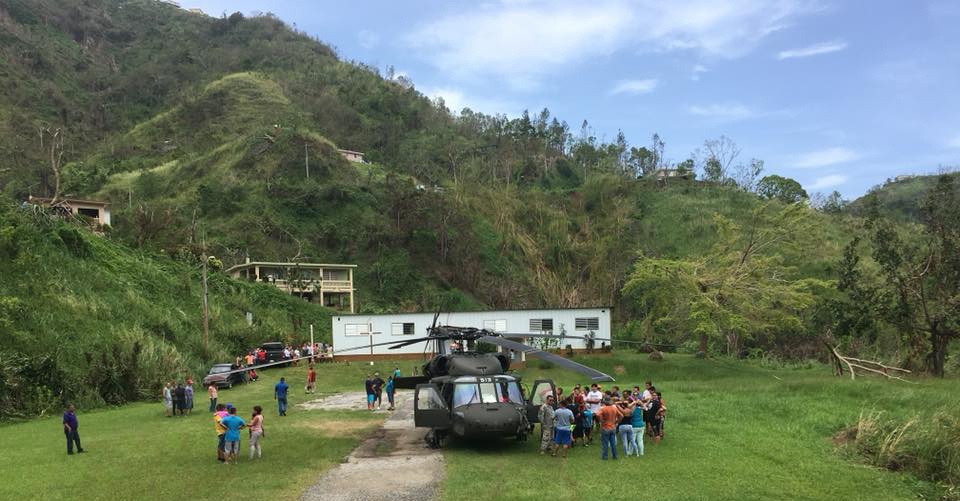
(404, 329)
(495, 325)
(356, 329)
(541, 324)
(587, 324)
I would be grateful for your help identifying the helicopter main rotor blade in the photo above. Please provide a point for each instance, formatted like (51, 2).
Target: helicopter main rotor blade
(594, 374)
(557, 336)
(401, 344)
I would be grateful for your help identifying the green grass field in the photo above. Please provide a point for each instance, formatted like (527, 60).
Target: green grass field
(134, 452)
(734, 431)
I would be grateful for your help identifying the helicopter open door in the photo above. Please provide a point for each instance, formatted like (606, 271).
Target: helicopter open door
(538, 395)
(429, 409)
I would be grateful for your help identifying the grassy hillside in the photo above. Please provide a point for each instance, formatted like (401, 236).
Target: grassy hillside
(900, 199)
(86, 319)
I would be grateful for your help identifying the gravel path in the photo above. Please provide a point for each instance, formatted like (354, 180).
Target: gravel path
(392, 465)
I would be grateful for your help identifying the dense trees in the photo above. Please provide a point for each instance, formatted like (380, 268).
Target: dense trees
(737, 292)
(920, 289)
(781, 188)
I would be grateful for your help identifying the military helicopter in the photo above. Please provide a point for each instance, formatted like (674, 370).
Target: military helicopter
(465, 393)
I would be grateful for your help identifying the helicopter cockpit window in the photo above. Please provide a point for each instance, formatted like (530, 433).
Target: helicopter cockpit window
(488, 393)
(509, 391)
(428, 398)
(466, 393)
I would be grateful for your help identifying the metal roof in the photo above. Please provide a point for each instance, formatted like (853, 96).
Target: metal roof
(67, 200)
(288, 265)
(472, 311)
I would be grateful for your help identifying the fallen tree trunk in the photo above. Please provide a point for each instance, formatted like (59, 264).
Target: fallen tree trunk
(869, 366)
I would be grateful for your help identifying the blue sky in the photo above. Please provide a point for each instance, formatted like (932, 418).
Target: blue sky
(838, 95)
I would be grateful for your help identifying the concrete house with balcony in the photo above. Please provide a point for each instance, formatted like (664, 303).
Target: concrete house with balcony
(330, 285)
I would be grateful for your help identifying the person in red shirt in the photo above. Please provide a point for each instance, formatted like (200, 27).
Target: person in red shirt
(311, 380)
(608, 415)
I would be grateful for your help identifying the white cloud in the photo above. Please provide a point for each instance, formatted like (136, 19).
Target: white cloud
(823, 158)
(368, 39)
(813, 50)
(634, 86)
(697, 70)
(456, 100)
(522, 42)
(827, 182)
(722, 111)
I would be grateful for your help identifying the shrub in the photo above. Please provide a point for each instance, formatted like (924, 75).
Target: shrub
(926, 447)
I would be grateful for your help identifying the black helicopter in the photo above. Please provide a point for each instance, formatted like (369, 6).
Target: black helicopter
(465, 393)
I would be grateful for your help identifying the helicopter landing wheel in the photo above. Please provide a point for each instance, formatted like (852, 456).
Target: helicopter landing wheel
(434, 439)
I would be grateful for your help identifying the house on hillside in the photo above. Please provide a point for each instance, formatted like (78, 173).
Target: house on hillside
(352, 156)
(365, 330)
(663, 174)
(97, 211)
(330, 285)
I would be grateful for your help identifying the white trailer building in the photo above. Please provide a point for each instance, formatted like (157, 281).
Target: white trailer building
(364, 330)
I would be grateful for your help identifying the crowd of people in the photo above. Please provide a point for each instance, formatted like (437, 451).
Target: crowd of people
(178, 398)
(228, 425)
(375, 386)
(629, 415)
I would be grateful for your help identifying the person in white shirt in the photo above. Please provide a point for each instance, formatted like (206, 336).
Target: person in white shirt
(594, 398)
(647, 395)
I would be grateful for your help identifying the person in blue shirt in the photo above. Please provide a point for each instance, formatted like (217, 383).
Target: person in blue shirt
(70, 429)
(636, 419)
(562, 423)
(390, 390)
(233, 424)
(396, 372)
(280, 395)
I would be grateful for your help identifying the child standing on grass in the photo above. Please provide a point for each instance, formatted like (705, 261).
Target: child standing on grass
(212, 393)
(233, 423)
(221, 431)
(587, 426)
(256, 431)
(311, 380)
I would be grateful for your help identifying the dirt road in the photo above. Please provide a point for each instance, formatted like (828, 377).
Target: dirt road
(394, 464)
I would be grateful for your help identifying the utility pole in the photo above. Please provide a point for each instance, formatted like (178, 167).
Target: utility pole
(306, 159)
(206, 307)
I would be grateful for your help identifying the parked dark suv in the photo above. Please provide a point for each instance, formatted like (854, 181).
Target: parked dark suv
(274, 351)
(218, 376)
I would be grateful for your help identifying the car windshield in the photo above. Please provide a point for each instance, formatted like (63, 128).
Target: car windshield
(216, 369)
(487, 392)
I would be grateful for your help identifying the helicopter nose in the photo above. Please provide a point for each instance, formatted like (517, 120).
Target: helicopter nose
(491, 420)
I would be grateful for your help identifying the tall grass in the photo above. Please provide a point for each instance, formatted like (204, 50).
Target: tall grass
(925, 445)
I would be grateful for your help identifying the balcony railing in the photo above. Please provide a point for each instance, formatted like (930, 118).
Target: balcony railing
(336, 285)
(310, 285)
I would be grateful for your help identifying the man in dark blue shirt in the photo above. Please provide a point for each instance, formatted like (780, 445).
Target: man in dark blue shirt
(70, 429)
(280, 395)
